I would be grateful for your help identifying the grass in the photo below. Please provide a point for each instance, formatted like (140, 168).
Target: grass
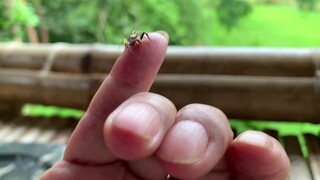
(34, 110)
(274, 26)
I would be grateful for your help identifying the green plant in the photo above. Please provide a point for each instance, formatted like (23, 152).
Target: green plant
(307, 4)
(16, 16)
(4, 24)
(23, 13)
(231, 11)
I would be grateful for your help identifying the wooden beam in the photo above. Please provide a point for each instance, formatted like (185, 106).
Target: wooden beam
(97, 58)
(243, 97)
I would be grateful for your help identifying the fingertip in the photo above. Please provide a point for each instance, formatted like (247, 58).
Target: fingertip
(164, 34)
(139, 65)
(256, 139)
(196, 143)
(185, 143)
(259, 156)
(136, 128)
(130, 130)
(155, 41)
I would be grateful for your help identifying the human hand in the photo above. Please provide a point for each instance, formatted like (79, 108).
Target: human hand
(128, 133)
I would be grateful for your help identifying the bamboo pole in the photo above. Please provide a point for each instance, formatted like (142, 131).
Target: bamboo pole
(313, 146)
(243, 97)
(97, 58)
(299, 166)
(247, 97)
(56, 89)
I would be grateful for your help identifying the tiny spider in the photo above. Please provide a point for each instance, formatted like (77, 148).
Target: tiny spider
(134, 38)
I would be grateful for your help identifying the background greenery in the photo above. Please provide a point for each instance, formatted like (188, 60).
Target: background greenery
(292, 23)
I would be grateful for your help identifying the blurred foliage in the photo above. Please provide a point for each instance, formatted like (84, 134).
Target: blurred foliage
(231, 11)
(15, 16)
(307, 4)
(4, 23)
(109, 21)
(82, 21)
(193, 22)
(23, 14)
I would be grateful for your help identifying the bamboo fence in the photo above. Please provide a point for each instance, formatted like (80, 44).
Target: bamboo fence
(246, 83)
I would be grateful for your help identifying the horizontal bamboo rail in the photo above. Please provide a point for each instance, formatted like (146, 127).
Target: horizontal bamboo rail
(247, 83)
(97, 58)
(245, 97)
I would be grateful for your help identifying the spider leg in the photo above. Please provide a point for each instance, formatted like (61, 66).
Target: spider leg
(124, 41)
(144, 33)
(138, 42)
(127, 45)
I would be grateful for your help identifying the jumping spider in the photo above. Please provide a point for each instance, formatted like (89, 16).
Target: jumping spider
(134, 38)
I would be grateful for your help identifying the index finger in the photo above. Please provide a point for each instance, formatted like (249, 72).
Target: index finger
(132, 73)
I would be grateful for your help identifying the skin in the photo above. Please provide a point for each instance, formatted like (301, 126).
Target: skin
(129, 133)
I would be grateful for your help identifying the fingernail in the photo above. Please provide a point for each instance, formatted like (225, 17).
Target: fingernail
(164, 34)
(139, 119)
(255, 138)
(185, 143)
